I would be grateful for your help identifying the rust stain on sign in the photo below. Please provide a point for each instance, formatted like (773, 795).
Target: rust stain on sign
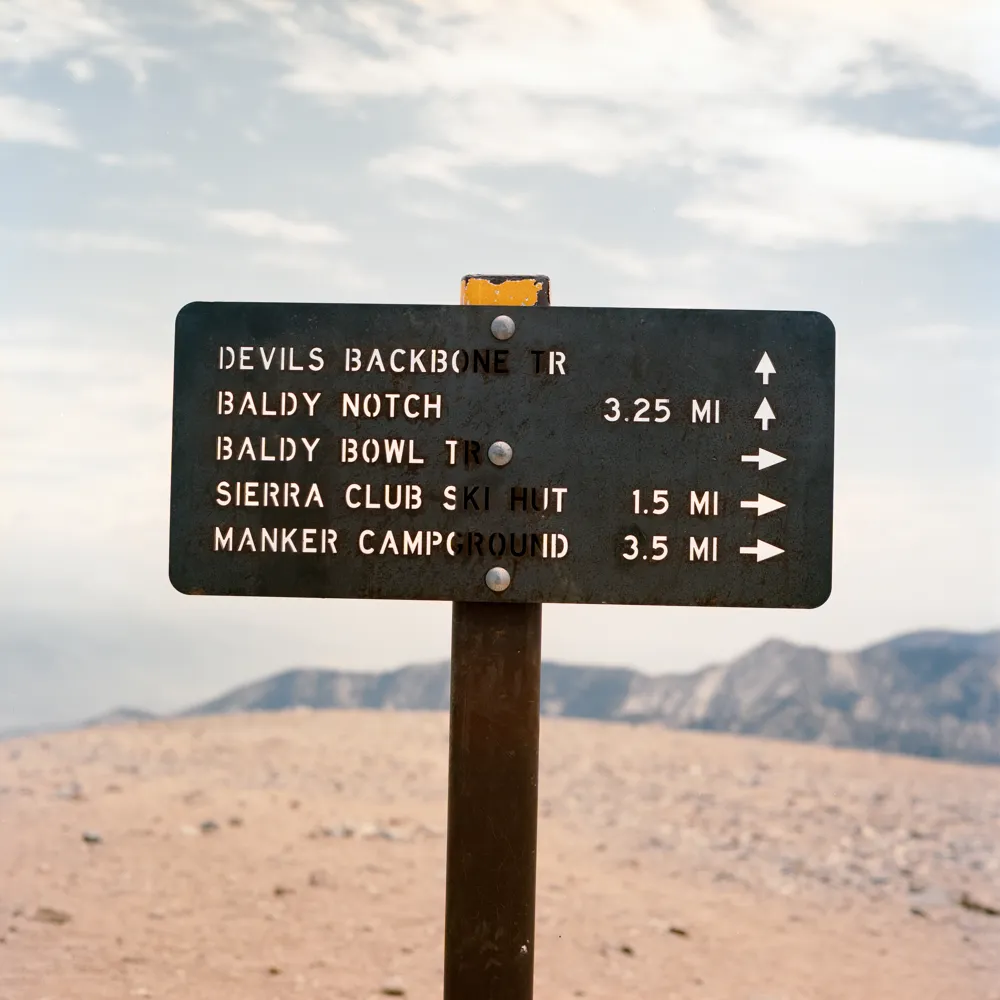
(488, 290)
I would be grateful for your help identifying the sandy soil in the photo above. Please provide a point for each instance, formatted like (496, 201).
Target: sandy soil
(671, 865)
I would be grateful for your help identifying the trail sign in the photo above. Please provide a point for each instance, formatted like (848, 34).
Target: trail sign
(503, 454)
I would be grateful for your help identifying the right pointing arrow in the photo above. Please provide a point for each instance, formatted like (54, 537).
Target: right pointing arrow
(764, 505)
(764, 458)
(762, 550)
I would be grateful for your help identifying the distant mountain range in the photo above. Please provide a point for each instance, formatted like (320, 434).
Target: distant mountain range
(934, 694)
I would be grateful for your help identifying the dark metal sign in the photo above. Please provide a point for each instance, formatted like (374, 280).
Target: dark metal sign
(468, 453)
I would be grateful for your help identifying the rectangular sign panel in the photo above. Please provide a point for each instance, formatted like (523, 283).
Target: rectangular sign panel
(607, 456)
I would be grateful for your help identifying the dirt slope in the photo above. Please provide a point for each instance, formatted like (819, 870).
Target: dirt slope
(671, 865)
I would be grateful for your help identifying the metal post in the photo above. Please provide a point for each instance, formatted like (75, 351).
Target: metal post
(496, 654)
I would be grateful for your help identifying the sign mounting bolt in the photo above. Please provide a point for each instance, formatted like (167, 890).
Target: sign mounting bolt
(497, 579)
(500, 453)
(502, 328)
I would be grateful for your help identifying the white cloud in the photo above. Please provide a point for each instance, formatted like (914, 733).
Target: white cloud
(728, 100)
(98, 427)
(81, 241)
(335, 272)
(82, 70)
(630, 264)
(261, 224)
(31, 121)
(35, 31)
(217, 11)
(956, 37)
(814, 182)
(139, 161)
(946, 335)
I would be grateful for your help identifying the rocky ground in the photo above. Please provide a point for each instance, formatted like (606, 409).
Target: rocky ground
(302, 854)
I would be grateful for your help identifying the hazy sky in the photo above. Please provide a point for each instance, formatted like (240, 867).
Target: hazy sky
(797, 154)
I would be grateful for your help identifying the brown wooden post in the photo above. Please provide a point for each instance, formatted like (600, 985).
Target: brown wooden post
(496, 653)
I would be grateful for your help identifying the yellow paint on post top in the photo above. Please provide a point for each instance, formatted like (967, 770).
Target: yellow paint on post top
(505, 290)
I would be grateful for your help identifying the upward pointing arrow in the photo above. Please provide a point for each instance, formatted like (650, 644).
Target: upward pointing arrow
(764, 413)
(765, 369)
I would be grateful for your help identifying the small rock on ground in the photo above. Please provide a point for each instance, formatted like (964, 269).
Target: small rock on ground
(967, 902)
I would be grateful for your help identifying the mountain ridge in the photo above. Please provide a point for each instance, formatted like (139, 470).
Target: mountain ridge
(930, 693)
(933, 693)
